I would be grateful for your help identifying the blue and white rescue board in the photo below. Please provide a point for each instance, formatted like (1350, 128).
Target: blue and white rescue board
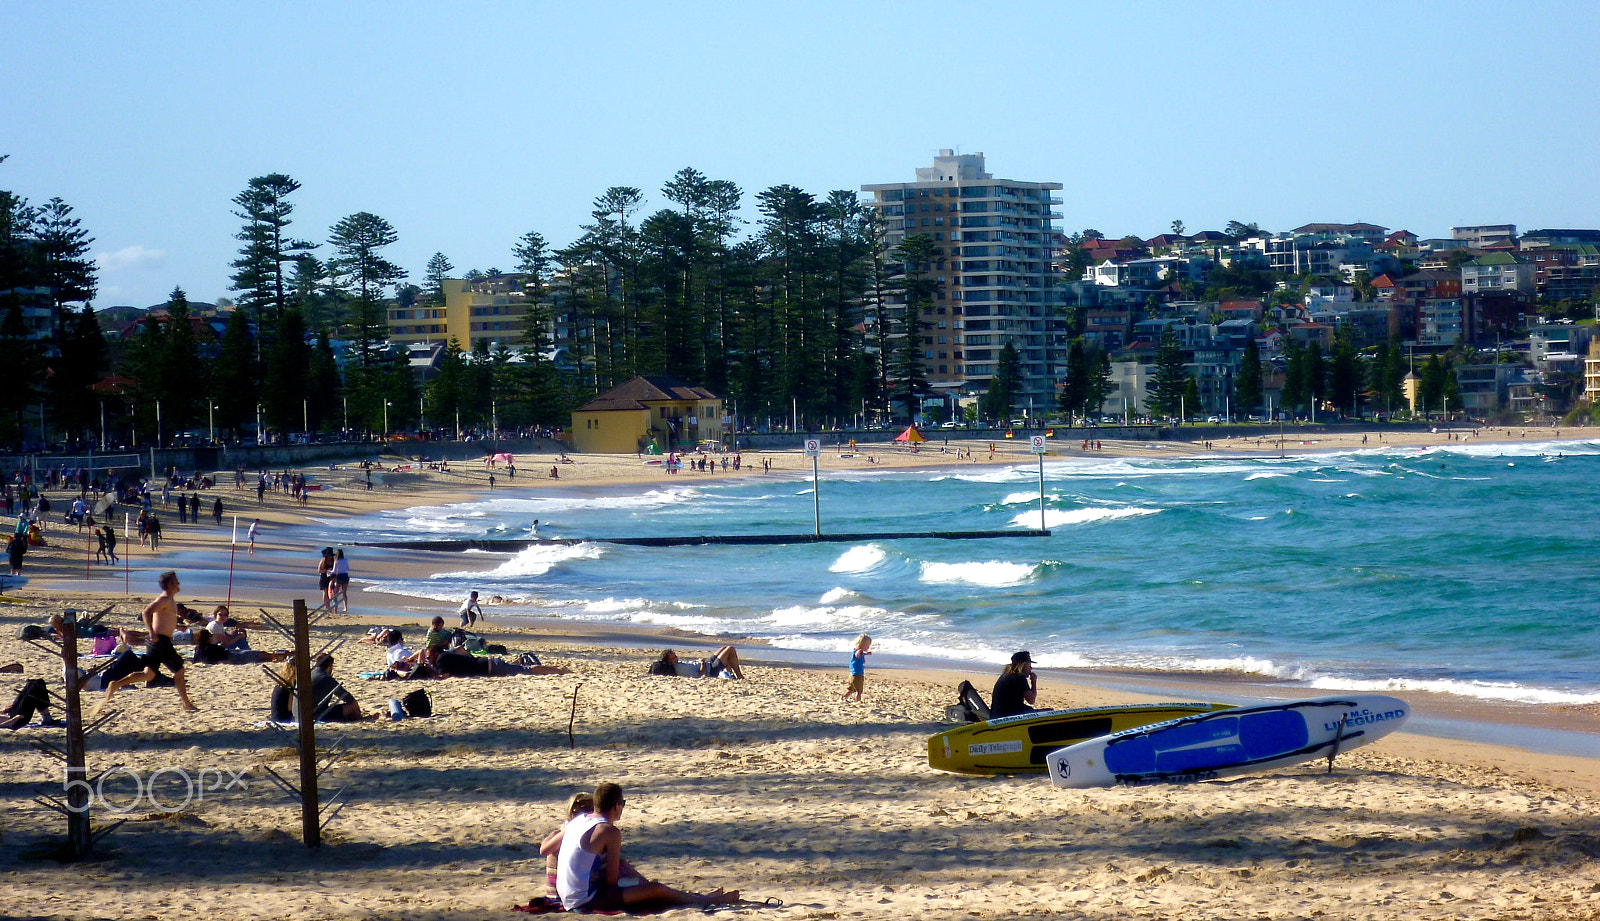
(1229, 742)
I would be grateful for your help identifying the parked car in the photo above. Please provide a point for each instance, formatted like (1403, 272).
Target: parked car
(1214, 420)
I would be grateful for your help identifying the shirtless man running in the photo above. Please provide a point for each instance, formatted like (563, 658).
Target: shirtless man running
(160, 620)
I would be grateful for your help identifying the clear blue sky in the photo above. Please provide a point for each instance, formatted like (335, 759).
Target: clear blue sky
(468, 124)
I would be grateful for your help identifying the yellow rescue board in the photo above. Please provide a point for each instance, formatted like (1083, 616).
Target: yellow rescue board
(1017, 744)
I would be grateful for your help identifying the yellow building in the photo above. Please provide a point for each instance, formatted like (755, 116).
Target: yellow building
(661, 409)
(487, 308)
(1591, 373)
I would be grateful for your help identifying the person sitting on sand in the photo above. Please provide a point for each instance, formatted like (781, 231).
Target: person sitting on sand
(589, 875)
(207, 651)
(227, 632)
(1016, 690)
(332, 702)
(724, 663)
(33, 698)
(402, 662)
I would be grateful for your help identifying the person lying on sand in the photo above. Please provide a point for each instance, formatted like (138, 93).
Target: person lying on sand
(724, 663)
(589, 873)
(458, 664)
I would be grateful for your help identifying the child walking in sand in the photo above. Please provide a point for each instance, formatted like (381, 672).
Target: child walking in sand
(858, 666)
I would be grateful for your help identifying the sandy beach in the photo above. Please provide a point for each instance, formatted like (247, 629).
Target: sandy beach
(772, 785)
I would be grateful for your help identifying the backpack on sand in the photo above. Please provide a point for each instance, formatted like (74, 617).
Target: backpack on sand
(417, 704)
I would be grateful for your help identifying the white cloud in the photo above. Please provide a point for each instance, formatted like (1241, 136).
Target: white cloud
(130, 257)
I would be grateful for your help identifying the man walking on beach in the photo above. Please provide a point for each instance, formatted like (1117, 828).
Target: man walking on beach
(255, 531)
(160, 621)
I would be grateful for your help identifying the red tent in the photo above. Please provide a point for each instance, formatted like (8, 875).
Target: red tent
(910, 436)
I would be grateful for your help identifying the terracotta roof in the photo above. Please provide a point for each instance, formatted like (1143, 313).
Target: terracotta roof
(640, 392)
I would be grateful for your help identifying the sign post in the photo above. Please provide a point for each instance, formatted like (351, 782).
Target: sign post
(814, 451)
(1036, 444)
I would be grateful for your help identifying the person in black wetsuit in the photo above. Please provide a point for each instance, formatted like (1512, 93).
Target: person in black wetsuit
(1016, 689)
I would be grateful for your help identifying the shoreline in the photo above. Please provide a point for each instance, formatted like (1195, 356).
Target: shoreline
(589, 475)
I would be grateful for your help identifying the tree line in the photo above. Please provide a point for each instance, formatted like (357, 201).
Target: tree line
(801, 314)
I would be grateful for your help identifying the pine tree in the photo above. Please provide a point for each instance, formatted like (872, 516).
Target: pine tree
(259, 274)
(233, 375)
(1100, 386)
(1075, 388)
(1004, 386)
(288, 375)
(915, 256)
(438, 269)
(180, 367)
(1167, 383)
(66, 267)
(326, 388)
(364, 274)
(1344, 376)
(83, 361)
(1248, 386)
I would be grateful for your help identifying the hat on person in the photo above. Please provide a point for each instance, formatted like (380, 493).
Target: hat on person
(1021, 657)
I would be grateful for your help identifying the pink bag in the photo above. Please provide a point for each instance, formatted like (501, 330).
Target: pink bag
(104, 644)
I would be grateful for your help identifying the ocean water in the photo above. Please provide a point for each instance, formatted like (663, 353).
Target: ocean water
(1467, 569)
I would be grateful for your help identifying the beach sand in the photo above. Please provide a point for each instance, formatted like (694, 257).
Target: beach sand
(772, 785)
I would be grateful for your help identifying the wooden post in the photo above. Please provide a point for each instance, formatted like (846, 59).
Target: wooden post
(310, 826)
(79, 839)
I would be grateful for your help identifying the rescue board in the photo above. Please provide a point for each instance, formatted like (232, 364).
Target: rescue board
(1017, 744)
(1243, 740)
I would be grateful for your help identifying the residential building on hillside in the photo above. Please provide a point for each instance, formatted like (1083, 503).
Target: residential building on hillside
(1496, 272)
(1565, 270)
(1486, 236)
(993, 238)
(489, 309)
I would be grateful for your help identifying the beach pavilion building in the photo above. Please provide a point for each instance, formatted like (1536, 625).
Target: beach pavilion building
(659, 410)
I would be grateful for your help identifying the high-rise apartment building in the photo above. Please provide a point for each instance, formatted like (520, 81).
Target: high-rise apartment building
(993, 239)
(489, 308)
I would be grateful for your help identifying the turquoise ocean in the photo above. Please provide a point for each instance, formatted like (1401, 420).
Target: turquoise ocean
(1464, 569)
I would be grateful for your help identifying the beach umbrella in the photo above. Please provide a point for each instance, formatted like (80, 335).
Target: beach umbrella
(910, 436)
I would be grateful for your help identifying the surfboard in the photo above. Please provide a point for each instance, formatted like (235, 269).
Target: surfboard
(1017, 744)
(1229, 742)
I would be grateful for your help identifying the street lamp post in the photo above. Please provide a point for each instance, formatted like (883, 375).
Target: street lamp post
(386, 421)
(305, 418)
(260, 435)
(102, 426)
(158, 423)
(211, 422)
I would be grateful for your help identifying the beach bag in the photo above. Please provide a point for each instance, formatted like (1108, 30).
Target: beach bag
(497, 649)
(473, 643)
(30, 632)
(417, 703)
(103, 645)
(528, 659)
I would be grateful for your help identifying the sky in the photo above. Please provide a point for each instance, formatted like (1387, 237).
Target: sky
(468, 124)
